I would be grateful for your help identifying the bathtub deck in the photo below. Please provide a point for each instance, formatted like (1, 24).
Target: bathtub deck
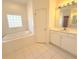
(39, 51)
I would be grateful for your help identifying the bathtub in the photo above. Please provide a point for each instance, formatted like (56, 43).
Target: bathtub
(13, 42)
(15, 36)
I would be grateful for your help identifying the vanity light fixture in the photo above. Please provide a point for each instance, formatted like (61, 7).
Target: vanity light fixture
(67, 4)
(73, 2)
(64, 5)
(59, 7)
(70, 3)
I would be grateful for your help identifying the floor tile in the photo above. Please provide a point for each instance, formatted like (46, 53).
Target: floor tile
(40, 51)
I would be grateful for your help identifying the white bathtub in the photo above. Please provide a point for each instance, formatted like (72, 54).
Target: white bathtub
(15, 36)
(13, 42)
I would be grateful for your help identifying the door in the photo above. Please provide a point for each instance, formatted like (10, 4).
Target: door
(41, 25)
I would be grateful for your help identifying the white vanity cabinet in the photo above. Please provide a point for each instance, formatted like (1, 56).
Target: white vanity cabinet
(69, 42)
(66, 41)
(55, 38)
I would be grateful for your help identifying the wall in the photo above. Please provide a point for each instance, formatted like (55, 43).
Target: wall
(16, 9)
(52, 12)
(52, 7)
(30, 16)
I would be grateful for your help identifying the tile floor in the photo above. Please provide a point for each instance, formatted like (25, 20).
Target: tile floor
(40, 51)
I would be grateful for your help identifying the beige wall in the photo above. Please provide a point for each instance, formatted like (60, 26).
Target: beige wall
(53, 13)
(52, 6)
(30, 16)
(16, 9)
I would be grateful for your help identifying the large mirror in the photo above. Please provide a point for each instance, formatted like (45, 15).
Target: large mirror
(73, 16)
(68, 15)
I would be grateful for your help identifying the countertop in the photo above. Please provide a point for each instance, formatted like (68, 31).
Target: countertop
(68, 30)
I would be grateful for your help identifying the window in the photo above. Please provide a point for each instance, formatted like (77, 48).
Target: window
(14, 21)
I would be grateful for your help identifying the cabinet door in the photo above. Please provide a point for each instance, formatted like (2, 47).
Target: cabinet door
(55, 38)
(69, 43)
